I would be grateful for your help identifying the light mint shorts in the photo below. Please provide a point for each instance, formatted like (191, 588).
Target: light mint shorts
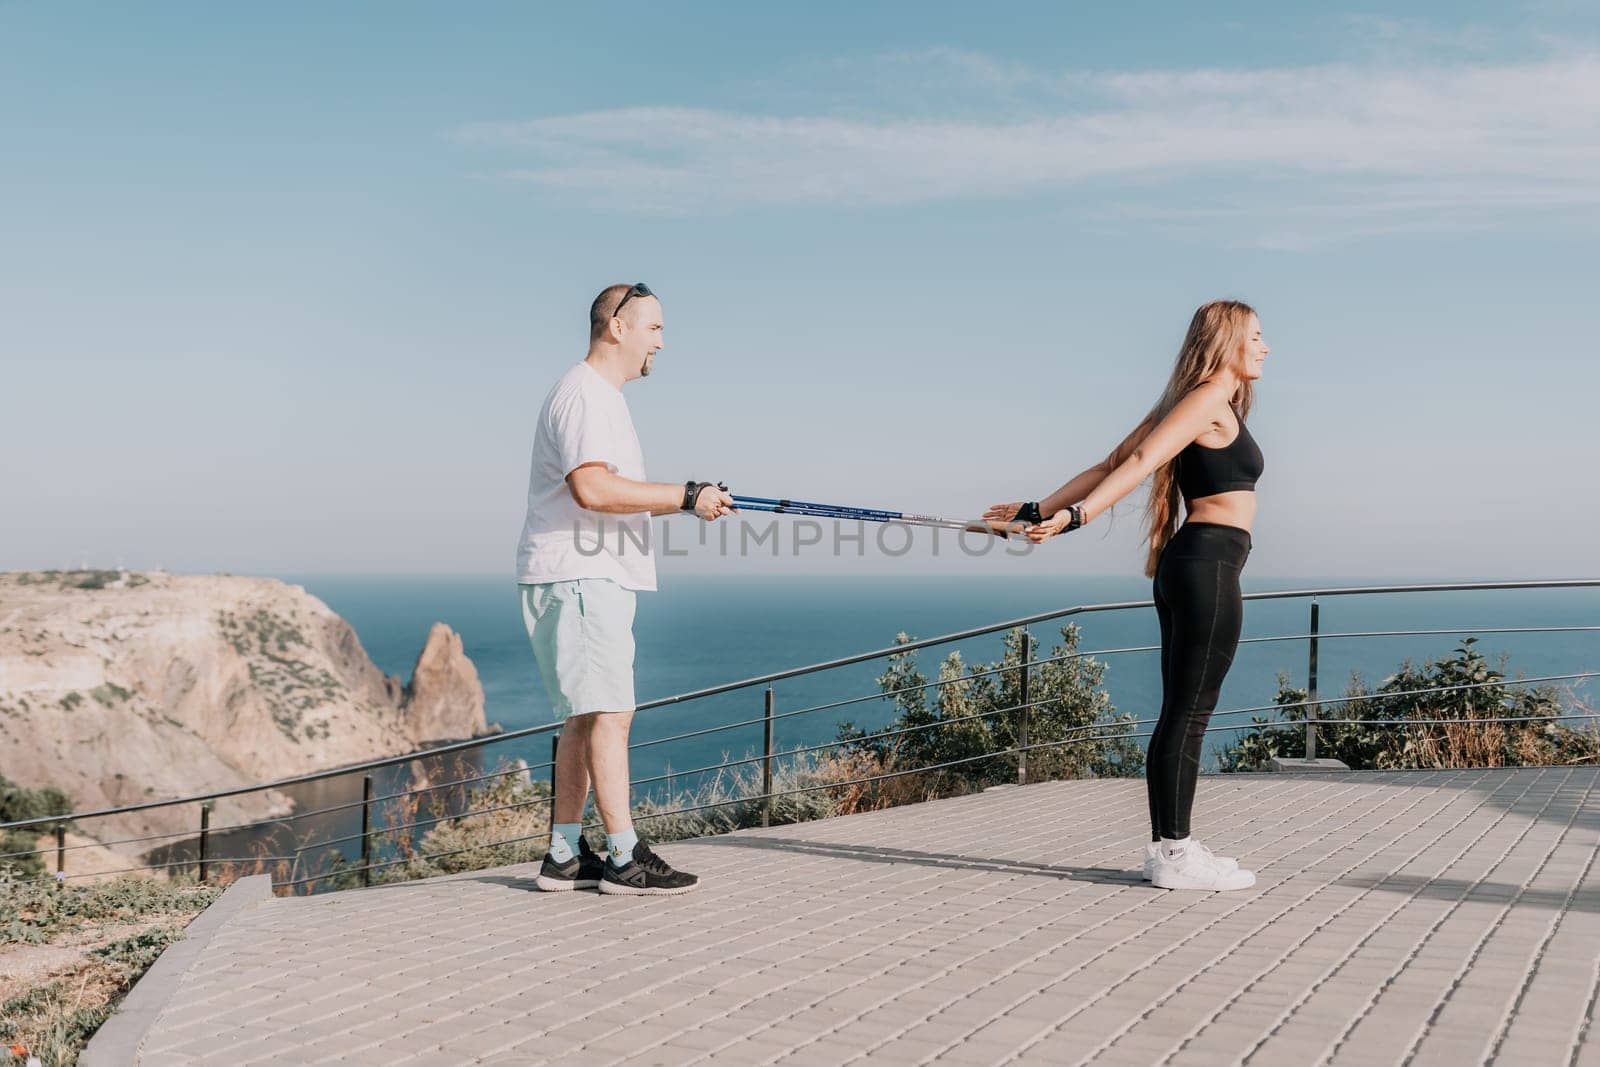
(582, 636)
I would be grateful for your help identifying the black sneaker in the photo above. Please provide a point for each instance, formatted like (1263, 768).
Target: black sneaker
(646, 875)
(580, 872)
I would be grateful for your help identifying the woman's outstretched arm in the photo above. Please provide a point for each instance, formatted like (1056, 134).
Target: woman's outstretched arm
(1079, 486)
(1089, 480)
(1200, 411)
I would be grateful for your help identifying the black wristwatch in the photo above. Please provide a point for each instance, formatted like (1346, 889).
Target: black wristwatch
(1029, 512)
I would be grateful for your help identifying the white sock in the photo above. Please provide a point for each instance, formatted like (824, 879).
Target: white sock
(1174, 848)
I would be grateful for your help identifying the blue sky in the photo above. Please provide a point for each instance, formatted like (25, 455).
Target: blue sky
(282, 288)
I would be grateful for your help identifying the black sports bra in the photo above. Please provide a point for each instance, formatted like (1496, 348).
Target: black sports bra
(1234, 467)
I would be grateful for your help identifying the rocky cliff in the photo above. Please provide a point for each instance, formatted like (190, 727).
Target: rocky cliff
(121, 687)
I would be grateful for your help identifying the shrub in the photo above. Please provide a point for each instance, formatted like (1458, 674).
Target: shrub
(18, 803)
(974, 711)
(1463, 690)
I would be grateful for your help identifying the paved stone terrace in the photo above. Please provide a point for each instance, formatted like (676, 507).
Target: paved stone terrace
(1424, 918)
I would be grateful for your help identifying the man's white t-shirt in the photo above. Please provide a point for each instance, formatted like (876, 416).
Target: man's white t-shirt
(583, 420)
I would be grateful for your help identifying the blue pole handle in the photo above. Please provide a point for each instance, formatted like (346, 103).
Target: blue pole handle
(810, 507)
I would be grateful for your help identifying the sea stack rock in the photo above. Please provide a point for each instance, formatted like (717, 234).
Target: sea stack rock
(445, 698)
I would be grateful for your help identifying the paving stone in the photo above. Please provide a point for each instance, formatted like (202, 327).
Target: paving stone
(1378, 891)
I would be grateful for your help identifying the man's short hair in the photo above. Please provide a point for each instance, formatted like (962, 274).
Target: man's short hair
(603, 309)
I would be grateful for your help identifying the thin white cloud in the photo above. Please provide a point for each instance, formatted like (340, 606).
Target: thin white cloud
(1418, 143)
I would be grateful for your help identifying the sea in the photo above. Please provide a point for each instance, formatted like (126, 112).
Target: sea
(703, 631)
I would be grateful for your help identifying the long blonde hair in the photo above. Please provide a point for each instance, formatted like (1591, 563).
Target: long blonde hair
(1216, 334)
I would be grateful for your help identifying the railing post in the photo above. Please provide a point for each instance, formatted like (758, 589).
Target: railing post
(61, 848)
(366, 829)
(1023, 710)
(555, 745)
(766, 761)
(1311, 688)
(205, 832)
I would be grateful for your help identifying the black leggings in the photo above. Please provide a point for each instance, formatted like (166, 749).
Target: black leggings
(1198, 603)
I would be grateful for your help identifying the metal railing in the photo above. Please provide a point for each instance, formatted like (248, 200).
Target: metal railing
(204, 863)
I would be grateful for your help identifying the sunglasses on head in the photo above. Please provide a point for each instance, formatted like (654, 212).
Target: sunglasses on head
(636, 289)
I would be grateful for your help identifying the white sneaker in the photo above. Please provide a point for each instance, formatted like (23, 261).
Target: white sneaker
(1152, 851)
(1192, 870)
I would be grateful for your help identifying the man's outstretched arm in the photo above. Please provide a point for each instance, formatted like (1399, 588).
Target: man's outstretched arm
(598, 488)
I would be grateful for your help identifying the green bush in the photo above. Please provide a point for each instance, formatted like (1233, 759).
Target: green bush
(18, 803)
(92, 579)
(1469, 691)
(973, 712)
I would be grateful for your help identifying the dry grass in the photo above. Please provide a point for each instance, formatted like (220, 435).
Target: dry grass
(508, 819)
(69, 952)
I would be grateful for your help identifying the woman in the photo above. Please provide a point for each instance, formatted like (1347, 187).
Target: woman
(1195, 443)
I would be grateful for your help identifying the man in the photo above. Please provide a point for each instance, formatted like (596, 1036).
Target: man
(584, 554)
